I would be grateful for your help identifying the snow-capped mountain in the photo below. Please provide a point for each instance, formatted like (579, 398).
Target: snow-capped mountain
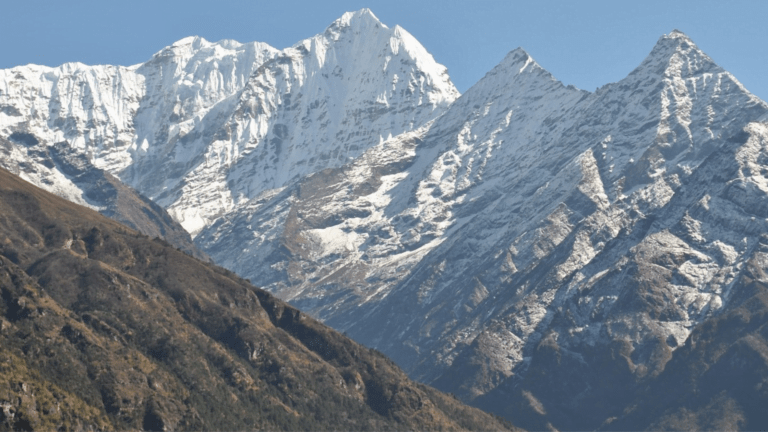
(112, 114)
(203, 127)
(530, 212)
(73, 123)
(317, 105)
(528, 246)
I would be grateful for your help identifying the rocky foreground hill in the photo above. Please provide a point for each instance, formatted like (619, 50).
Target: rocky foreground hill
(103, 328)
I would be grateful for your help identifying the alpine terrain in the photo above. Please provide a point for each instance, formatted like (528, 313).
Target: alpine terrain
(538, 250)
(102, 328)
(203, 128)
(564, 258)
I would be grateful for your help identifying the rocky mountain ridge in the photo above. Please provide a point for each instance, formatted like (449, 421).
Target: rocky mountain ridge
(202, 127)
(475, 239)
(529, 212)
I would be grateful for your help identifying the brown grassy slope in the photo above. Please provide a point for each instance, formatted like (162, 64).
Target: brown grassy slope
(104, 328)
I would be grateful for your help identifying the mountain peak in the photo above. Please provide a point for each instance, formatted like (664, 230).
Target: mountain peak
(516, 54)
(675, 54)
(184, 46)
(195, 41)
(518, 68)
(519, 61)
(677, 34)
(351, 23)
(361, 18)
(676, 39)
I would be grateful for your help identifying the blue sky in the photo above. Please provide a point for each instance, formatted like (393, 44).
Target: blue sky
(586, 43)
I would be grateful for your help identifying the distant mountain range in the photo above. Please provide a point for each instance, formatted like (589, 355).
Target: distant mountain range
(564, 258)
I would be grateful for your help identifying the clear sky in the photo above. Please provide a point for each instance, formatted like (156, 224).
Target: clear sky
(586, 43)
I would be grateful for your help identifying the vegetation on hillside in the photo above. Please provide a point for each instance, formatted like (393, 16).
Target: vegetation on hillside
(104, 328)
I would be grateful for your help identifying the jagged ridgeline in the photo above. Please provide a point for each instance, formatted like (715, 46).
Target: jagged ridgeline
(539, 250)
(564, 258)
(204, 127)
(104, 328)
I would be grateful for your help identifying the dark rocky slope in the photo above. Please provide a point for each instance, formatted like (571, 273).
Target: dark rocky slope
(99, 188)
(103, 328)
(719, 380)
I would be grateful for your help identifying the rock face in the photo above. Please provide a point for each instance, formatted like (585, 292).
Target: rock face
(532, 230)
(102, 328)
